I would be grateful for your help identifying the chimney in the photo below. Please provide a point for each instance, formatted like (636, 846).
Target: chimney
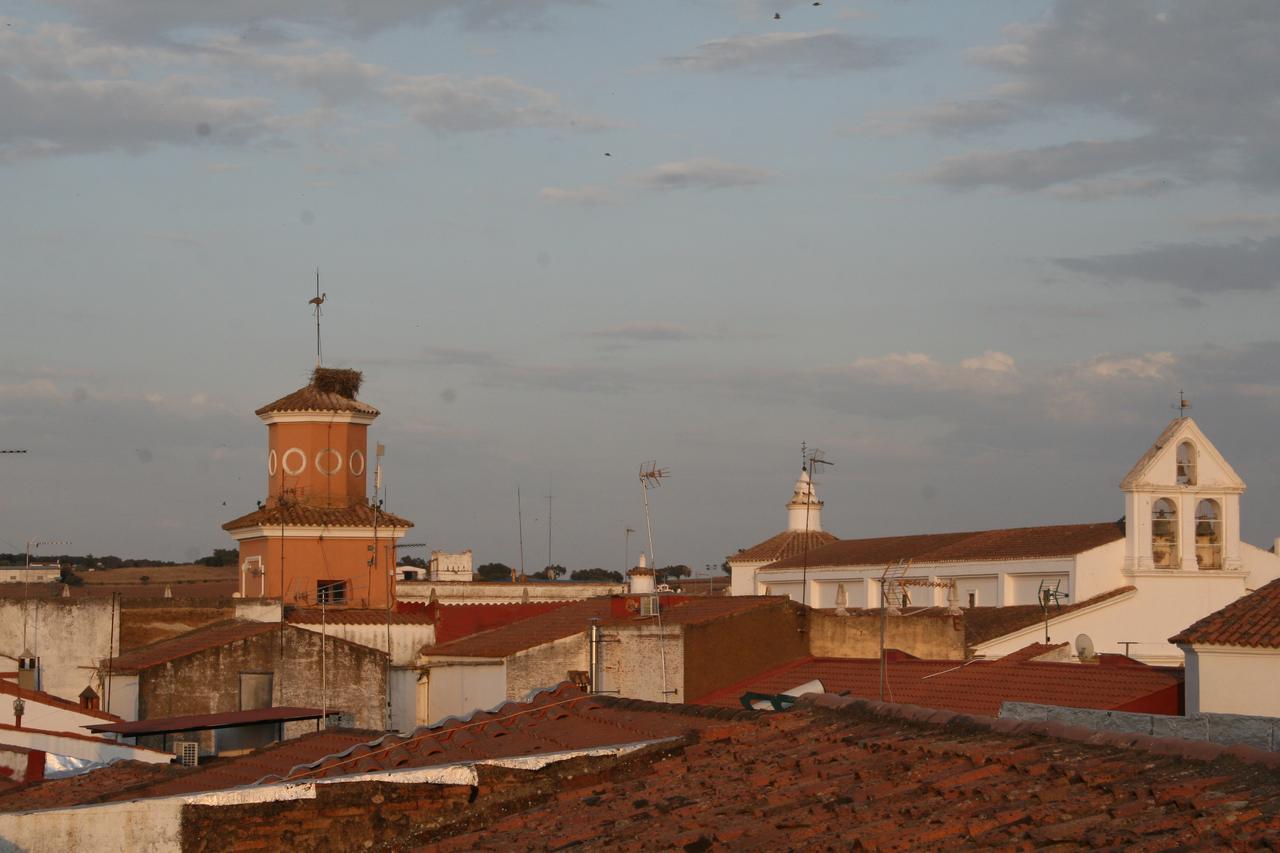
(28, 671)
(641, 578)
(19, 708)
(1275, 547)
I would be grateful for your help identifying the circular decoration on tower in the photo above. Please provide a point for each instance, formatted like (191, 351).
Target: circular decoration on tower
(298, 466)
(272, 463)
(328, 461)
(357, 462)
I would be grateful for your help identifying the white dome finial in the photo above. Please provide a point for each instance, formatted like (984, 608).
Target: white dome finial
(804, 512)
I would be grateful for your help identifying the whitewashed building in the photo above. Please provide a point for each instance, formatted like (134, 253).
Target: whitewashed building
(1233, 657)
(1175, 557)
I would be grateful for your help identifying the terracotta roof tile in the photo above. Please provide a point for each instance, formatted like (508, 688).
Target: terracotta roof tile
(852, 774)
(977, 686)
(311, 399)
(1252, 621)
(559, 720)
(1021, 543)
(572, 618)
(208, 637)
(788, 543)
(312, 515)
(983, 624)
(95, 786)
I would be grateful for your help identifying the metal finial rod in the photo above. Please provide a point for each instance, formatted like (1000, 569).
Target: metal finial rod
(1182, 405)
(317, 302)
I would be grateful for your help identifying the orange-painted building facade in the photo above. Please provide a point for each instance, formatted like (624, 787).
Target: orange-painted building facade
(318, 538)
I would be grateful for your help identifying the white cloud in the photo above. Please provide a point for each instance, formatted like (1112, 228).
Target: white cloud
(644, 332)
(701, 173)
(1152, 365)
(32, 389)
(993, 372)
(825, 51)
(1242, 220)
(449, 103)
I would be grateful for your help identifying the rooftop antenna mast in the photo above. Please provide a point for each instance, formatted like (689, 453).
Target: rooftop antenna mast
(813, 458)
(317, 302)
(1182, 405)
(520, 525)
(651, 476)
(32, 544)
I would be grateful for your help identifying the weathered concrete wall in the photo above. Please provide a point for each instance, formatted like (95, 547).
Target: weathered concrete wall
(723, 652)
(146, 826)
(456, 690)
(209, 682)
(933, 636)
(1230, 729)
(69, 635)
(146, 621)
(86, 748)
(633, 658)
(545, 666)
(406, 639)
(460, 592)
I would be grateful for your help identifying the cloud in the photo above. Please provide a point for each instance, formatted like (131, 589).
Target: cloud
(1202, 73)
(33, 389)
(643, 333)
(1038, 168)
(1247, 265)
(701, 174)
(1242, 220)
(992, 372)
(147, 20)
(1152, 365)
(449, 103)
(1112, 187)
(950, 117)
(588, 196)
(823, 52)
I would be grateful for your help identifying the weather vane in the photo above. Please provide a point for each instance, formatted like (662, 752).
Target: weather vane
(317, 302)
(1182, 405)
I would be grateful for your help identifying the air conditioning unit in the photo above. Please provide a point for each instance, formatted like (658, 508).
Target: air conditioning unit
(188, 752)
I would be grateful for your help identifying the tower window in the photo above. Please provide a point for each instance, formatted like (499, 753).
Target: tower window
(1209, 535)
(331, 592)
(1164, 534)
(1186, 474)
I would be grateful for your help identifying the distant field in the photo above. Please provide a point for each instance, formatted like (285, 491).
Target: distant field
(160, 574)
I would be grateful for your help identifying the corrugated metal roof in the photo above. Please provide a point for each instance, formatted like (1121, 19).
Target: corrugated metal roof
(200, 722)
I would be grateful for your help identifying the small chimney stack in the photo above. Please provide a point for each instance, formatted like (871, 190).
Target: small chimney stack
(641, 578)
(28, 671)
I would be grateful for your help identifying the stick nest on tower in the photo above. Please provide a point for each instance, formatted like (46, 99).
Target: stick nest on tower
(332, 380)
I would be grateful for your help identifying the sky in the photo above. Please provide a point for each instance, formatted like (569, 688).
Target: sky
(971, 251)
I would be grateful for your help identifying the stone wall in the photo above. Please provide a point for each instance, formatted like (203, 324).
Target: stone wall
(546, 665)
(634, 664)
(929, 635)
(144, 621)
(209, 682)
(1229, 729)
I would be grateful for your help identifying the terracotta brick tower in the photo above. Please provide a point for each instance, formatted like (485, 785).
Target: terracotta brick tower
(318, 537)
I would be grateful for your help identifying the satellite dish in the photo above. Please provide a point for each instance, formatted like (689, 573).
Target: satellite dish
(1084, 647)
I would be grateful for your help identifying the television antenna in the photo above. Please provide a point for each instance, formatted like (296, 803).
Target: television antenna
(626, 549)
(1050, 597)
(520, 531)
(317, 302)
(32, 545)
(651, 476)
(812, 459)
(890, 590)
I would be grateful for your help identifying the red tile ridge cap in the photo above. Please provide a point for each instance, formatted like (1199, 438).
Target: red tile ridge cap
(55, 701)
(1192, 750)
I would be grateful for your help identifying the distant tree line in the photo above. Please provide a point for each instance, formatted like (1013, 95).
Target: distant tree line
(89, 561)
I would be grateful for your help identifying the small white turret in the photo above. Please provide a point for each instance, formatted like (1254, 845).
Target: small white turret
(641, 578)
(804, 512)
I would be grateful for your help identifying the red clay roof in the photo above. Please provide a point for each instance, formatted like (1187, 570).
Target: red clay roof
(982, 624)
(311, 515)
(788, 543)
(574, 617)
(200, 722)
(208, 637)
(850, 774)
(565, 621)
(312, 399)
(976, 687)
(1020, 543)
(1252, 621)
(558, 720)
(11, 689)
(95, 786)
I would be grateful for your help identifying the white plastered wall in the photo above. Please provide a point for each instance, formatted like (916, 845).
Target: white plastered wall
(1233, 680)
